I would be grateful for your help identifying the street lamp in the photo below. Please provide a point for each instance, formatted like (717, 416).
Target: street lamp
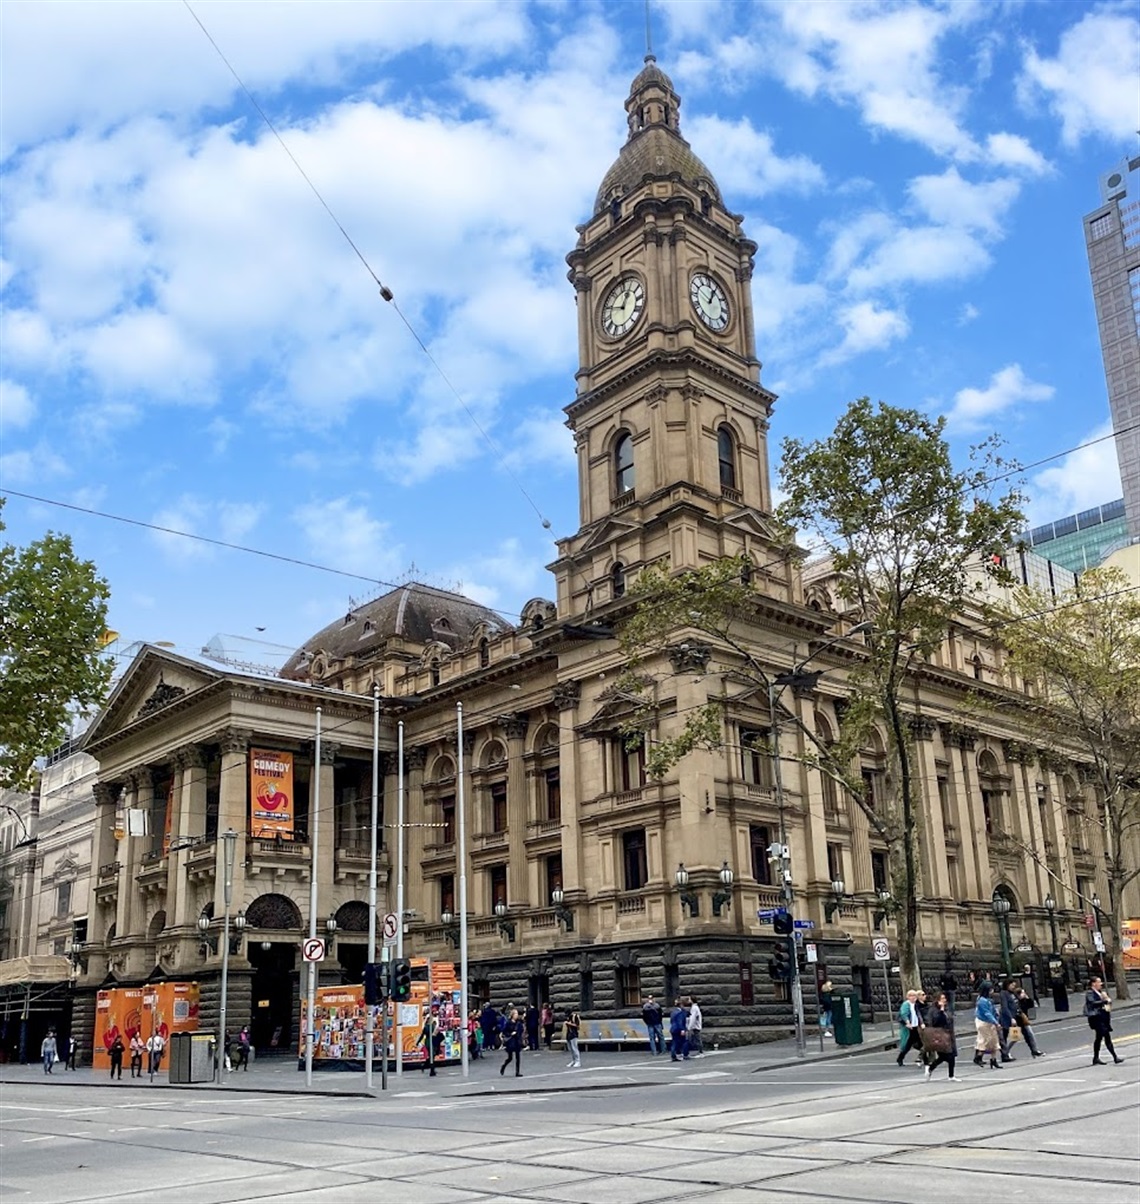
(884, 910)
(229, 841)
(1051, 907)
(1001, 911)
(562, 914)
(688, 898)
(330, 933)
(795, 677)
(838, 893)
(723, 897)
(450, 928)
(506, 927)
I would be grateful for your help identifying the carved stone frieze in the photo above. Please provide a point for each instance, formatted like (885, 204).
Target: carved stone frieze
(162, 696)
(689, 657)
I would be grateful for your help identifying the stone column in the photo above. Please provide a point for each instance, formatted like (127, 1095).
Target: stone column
(973, 821)
(566, 697)
(233, 808)
(416, 836)
(932, 834)
(326, 833)
(814, 824)
(189, 824)
(518, 884)
(104, 848)
(958, 789)
(129, 913)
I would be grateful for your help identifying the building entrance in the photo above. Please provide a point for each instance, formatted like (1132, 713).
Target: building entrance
(275, 1001)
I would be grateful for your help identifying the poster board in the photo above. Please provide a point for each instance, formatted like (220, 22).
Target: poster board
(163, 1007)
(272, 804)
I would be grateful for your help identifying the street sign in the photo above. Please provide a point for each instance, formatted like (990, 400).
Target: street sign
(805, 923)
(313, 950)
(391, 928)
(882, 950)
(1098, 942)
(812, 952)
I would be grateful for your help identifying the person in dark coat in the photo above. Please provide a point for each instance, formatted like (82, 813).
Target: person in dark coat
(512, 1042)
(1009, 1010)
(489, 1023)
(948, 984)
(1098, 1010)
(532, 1027)
(940, 1017)
(678, 1032)
(117, 1051)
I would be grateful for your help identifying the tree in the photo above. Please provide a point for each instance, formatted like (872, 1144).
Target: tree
(53, 619)
(1082, 653)
(909, 538)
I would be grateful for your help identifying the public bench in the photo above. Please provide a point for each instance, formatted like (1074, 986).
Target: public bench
(612, 1034)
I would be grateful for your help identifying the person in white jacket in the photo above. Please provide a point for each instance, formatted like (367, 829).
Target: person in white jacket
(693, 1027)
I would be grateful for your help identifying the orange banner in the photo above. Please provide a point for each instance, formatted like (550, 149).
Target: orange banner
(1130, 944)
(271, 800)
(165, 1008)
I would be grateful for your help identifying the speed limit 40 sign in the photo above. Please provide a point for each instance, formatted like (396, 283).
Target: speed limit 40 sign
(882, 950)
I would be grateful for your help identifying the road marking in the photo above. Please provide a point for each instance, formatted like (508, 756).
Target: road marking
(49, 1138)
(130, 1129)
(706, 1074)
(201, 1120)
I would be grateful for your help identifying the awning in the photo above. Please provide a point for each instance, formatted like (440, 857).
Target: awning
(36, 969)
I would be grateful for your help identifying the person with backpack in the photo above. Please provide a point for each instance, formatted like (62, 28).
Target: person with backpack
(651, 1016)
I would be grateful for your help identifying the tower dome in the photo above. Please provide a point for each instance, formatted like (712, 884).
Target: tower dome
(655, 147)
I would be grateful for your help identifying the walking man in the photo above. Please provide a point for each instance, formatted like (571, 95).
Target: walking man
(48, 1051)
(651, 1014)
(909, 1025)
(694, 1026)
(1098, 1010)
(72, 1051)
(678, 1039)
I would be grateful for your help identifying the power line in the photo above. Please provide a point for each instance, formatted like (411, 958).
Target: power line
(385, 292)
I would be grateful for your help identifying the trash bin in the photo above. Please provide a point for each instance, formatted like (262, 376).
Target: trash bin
(191, 1057)
(846, 1019)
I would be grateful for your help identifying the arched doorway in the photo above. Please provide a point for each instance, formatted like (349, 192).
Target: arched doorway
(273, 927)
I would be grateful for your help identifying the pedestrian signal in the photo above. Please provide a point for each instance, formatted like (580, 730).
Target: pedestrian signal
(780, 965)
(373, 983)
(401, 979)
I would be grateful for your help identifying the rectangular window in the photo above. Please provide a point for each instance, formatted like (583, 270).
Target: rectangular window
(629, 986)
(988, 811)
(499, 807)
(760, 837)
(631, 763)
(755, 757)
(871, 789)
(635, 867)
(498, 875)
(447, 817)
(63, 899)
(553, 783)
(1100, 226)
(830, 797)
(447, 894)
(553, 874)
(944, 802)
(879, 874)
(835, 861)
(586, 993)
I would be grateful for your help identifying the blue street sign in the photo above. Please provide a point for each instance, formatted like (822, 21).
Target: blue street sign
(768, 914)
(805, 923)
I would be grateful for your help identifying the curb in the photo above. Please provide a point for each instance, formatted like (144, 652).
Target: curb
(104, 1085)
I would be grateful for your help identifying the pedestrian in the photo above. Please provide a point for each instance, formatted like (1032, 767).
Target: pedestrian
(547, 1025)
(825, 1002)
(948, 984)
(243, 1049)
(678, 1034)
(651, 1015)
(938, 1035)
(512, 1042)
(988, 1026)
(227, 1052)
(910, 1026)
(693, 1027)
(137, 1048)
(155, 1044)
(49, 1051)
(1008, 1010)
(72, 1051)
(573, 1028)
(489, 1022)
(532, 1027)
(117, 1050)
(1022, 1004)
(1098, 1010)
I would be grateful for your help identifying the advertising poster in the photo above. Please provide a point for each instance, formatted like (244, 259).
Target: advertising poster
(1130, 943)
(169, 822)
(165, 1008)
(271, 799)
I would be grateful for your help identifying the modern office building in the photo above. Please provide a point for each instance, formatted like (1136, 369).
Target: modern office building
(1082, 541)
(1112, 235)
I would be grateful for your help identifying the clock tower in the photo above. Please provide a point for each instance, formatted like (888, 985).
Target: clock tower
(670, 419)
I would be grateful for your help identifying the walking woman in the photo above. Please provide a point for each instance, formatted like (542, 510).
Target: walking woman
(1098, 1009)
(573, 1028)
(988, 1026)
(547, 1024)
(938, 1035)
(512, 1042)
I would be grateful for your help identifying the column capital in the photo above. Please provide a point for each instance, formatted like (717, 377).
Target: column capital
(921, 728)
(107, 793)
(567, 695)
(235, 740)
(329, 752)
(190, 756)
(515, 727)
(415, 759)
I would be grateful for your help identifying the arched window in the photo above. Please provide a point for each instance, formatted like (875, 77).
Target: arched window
(623, 464)
(617, 580)
(726, 455)
(435, 672)
(484, 652)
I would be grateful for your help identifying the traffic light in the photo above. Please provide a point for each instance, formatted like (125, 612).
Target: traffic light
(373, 983)
(783, 924)
(401, 979)
(780, 964)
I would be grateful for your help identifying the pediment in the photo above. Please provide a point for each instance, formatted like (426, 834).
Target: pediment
(606, 532)
(155, 680)
(759, 526)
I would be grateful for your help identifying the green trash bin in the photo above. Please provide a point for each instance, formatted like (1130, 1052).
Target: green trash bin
(846, 1019)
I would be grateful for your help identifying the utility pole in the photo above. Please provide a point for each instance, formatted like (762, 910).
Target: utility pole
(370, 1022)
(229, 837)
(314, 819)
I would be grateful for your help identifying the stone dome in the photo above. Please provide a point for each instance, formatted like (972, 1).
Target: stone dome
(418, 614)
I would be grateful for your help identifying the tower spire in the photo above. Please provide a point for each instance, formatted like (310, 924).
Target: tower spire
(650, 57)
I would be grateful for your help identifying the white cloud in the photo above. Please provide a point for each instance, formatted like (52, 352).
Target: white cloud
(968, 313)
(1007, 388)
(949, 200)
(744, 160)
(1091, 83)
(924, 255)
(867, 327)
(342, 534)
(1087, 477)
(32, 466)
(510, 571)
(16, 405)
(1015, 152)
(185, 516)
(543, 438)
(238, 519)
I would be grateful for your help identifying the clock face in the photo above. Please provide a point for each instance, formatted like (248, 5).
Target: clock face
(623, 306)
(709, 301)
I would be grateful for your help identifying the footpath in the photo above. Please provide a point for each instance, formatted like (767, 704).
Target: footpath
(543, 1070)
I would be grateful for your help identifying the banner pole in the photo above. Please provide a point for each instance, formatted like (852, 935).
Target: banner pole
(314, 820)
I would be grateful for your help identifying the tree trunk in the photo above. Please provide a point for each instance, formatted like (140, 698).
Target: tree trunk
(1116, 948)
(909, 970)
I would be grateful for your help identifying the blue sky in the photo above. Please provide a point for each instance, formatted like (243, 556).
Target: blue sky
(187, 340)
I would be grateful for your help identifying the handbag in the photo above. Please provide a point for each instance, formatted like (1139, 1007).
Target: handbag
(1014, 1033)
(937, 1040)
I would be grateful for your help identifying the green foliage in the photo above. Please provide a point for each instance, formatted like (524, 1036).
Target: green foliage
(53, 616)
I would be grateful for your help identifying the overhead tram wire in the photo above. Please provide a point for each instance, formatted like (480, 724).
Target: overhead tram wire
(385, 292)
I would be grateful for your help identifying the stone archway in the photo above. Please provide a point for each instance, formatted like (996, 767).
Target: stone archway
(273, 911)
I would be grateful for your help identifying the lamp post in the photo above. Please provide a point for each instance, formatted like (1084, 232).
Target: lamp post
(506, 927)
(880, 917)
(1001, 911)
(450, 928)
(838, 894)
(562, 913)
(688, 898)
(330, 933)
(229, 837)
(723, 898)
(1051, 907)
